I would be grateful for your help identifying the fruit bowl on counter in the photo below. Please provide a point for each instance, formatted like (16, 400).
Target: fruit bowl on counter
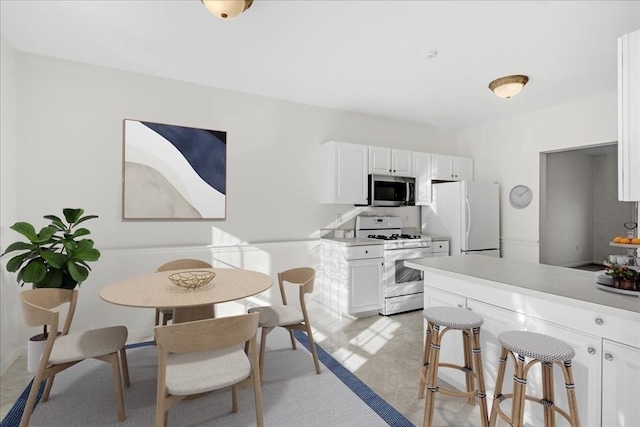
(623, 279)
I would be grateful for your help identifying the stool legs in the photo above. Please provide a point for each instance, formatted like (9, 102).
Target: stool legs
(547, 394)
(571, 393)
(497, 392)
(472, 369)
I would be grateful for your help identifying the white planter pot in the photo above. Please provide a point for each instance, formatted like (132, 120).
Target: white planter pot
(35, 347)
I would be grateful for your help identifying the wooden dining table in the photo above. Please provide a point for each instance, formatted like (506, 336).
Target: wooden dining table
(156, 290)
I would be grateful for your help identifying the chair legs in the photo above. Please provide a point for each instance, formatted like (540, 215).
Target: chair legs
(312, 345)
(124, 367)
(117, 382)
(31, 400)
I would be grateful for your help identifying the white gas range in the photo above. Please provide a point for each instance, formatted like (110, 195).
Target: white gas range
(401, 287)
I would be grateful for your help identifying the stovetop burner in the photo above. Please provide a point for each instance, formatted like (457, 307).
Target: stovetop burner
(394, 236)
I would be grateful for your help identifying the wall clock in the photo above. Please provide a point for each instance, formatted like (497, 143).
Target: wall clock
(520, 196)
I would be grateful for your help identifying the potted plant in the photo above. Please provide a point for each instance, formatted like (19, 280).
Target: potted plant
(55, 257)
(623, 277)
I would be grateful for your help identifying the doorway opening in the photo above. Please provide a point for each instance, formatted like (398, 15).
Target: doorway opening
(579, 208)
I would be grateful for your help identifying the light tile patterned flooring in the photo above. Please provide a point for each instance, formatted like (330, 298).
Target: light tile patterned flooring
(383, 351)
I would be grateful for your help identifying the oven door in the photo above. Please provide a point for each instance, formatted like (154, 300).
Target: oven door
(398, 279)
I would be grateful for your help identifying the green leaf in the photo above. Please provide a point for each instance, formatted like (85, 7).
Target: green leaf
(18, 246)
(85, 218)
(53, 279)
(26, 230)
(85, 251)
(80, 232)
(45, 234)
(72, 215)
(78, 272)
(58, 224)
(55, 259)
(34, 271)
(14, 263)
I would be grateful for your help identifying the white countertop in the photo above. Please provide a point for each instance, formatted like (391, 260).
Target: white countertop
(532, 278)
(356, 241)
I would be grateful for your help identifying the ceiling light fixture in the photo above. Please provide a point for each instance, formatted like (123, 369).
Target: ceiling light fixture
(509, 86)
(227, 9)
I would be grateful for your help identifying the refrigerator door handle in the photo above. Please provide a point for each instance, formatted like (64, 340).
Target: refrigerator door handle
(467, 220)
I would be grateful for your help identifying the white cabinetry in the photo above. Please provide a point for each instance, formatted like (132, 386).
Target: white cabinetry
(344, 171)
(629, 117)
(439, 248)
(390, 161)
(620, 382)
(422, 172)
(350, 278)
(451, 168)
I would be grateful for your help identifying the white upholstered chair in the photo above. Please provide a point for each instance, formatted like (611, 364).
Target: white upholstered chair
(178, 264)
(288, 316)
(68, 349)
(205, 355)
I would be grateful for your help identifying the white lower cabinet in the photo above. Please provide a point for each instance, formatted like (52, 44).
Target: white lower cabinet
(364, 285)
(620, 384)
(606, 373)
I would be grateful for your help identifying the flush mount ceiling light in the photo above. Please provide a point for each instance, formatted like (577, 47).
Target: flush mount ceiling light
(506, 87)
(227, 9)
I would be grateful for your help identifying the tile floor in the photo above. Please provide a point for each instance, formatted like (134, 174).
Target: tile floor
(384, 352)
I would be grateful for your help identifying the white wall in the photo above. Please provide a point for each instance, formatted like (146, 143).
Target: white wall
(566, 228)
(69, 154)
(508, 151)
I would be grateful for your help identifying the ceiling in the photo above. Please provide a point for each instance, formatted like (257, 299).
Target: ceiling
(359, 56)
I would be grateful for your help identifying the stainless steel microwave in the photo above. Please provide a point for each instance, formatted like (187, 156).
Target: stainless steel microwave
(391, 191)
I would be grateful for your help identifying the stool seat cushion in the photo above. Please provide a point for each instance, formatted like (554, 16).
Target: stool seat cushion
(452, 317)
(537, 346)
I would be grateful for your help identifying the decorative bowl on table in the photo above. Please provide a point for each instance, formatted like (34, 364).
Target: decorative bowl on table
(192, 279)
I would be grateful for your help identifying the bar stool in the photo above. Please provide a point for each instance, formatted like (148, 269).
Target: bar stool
(541, 349)
(469, 323)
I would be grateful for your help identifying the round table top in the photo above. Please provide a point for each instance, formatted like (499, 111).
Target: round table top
(156, 290)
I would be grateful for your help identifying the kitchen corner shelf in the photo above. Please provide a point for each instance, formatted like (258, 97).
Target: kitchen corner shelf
(624, 245)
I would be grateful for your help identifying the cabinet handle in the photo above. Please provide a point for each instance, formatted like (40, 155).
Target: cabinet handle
(608, 356)
(469, 308)
(591, 350)
(599, 321)
(389, 170)
(366, 252)
(459, 305)
(394, 170)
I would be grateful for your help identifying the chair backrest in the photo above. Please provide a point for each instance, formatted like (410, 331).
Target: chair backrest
(208, 334)
(303, 276)
(37, 305)
(180, 264)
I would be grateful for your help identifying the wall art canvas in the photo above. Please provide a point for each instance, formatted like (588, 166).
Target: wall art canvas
(174, 172)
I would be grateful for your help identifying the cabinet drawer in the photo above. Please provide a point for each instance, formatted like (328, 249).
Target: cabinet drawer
(601, 325)
(362, 252)
(440, 246)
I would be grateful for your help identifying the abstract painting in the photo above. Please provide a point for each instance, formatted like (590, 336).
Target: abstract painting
(173, 172)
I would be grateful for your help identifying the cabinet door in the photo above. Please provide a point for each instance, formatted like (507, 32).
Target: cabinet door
(350, 173)
(628, 113)
(422, 172)
(586, 367)
(620, 385)
(462, 168)
(496, 321)
(379, 160)
(364, 284)
(441, 167)
(451, 350)
(402, 163)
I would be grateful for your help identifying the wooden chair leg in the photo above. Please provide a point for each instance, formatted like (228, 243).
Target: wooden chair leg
(31, 400)
(157, 319)
(312, 346)
(425, 361)
(263, 346)
(117, 382)
(257, 387)
(124, 367)
(293, 340)
(497, 392)
(47, 389)
(234, 399)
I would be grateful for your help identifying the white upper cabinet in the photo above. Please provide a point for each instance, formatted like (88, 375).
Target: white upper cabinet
(451, 168)
(390, 161)
(629, 117)
(344, 170)
(422, 171)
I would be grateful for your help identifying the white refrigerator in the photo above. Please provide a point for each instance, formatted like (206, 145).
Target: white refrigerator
(468, 212)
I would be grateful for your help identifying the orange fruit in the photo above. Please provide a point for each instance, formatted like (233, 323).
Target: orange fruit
(617, 239)
(625, 241)
(635, 241)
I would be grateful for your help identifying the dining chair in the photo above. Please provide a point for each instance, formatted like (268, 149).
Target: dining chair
(288, 316)
(68, 349)
(205, 355)
(178, 264)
